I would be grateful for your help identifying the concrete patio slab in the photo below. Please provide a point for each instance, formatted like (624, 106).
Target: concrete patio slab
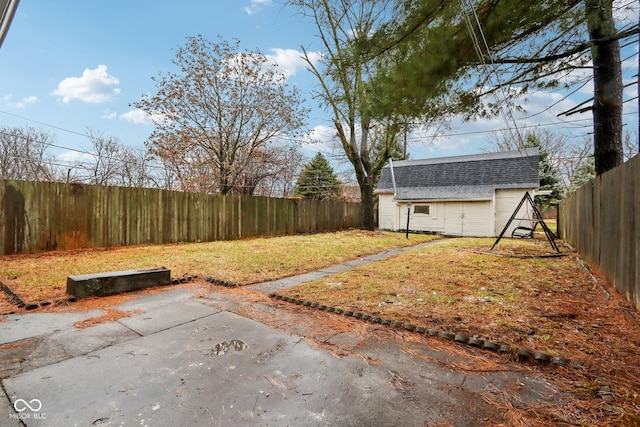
(166, 316)
(232, 359)
(192, 375)
(16, 327)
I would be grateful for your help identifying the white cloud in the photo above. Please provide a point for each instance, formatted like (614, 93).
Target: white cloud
(320, 138)
(285, 62)
(256, 6)
(137, 117)
(23, 103)
(427, 141)
(94, 86)
(109, 115)
(30, 99)
(289, 61)
(27, 101)
(75, 157)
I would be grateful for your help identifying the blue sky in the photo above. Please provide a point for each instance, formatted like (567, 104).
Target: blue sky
(70, 65)
(76, 64)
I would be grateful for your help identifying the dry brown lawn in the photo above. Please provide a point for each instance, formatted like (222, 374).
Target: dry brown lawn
(43, 276)
(524, 298)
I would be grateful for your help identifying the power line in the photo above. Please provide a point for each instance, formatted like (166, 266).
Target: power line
(475, 132)
(490, 67)
(45, 124)
(96, 156)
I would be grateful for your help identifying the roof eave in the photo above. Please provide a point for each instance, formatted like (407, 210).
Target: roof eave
(479, 199)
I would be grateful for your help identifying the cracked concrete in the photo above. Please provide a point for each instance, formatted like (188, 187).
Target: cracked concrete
(169, 376)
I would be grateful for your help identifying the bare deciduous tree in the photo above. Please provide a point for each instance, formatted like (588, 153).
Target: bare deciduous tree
(344, 75)
(24, 154)
(106, 167)
(135, 169)
(273, 173)
(221, 109)
(109, 162)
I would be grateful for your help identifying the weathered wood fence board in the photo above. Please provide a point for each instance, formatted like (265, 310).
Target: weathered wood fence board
(601, 220)
(43, 216)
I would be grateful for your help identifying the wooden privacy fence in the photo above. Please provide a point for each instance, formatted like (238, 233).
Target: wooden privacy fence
(43, 216)
(600, 219)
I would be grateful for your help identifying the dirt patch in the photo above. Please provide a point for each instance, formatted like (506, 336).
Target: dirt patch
(110, 315)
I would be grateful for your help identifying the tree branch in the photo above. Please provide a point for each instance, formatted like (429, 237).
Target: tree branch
(577, 49)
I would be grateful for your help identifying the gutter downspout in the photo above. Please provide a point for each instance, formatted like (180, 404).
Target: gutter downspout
(393, 177)
(395, 193)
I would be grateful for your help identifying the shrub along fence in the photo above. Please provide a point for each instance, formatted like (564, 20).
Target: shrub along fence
(44, 216)
(601, 218)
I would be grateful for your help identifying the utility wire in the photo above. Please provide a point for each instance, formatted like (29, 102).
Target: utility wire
(491, 68)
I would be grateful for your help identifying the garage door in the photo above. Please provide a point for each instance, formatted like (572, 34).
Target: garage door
(469, 219)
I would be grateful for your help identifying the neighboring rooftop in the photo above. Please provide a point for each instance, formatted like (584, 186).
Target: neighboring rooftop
(462, 177)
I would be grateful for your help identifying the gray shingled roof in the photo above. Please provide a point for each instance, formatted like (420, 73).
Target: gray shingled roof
(462, 177)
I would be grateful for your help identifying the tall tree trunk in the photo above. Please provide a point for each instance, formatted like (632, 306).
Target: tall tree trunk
(607, 81)
(367, 201)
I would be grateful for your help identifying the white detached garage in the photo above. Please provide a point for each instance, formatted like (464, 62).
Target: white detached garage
(459, 196)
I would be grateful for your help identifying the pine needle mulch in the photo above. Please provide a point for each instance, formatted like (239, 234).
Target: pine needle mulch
(545, 304)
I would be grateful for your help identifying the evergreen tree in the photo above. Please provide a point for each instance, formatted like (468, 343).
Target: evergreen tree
(549, 175)
(584, 173)
(318, 181)
(445, 57)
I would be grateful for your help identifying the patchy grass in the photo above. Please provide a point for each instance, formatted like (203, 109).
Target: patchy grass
(452, 285)
(552, 223)
(543, 304)
(43, 276)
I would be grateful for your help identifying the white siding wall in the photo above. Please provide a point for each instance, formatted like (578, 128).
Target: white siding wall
(464, 218)
(433, 222)
(451, 218)
(387, 212)
(469, 219)
(506, 202)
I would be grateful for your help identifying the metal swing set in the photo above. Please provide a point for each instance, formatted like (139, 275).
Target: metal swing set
(524, 232)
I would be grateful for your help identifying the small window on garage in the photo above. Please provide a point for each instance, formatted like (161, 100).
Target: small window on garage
(421, 209)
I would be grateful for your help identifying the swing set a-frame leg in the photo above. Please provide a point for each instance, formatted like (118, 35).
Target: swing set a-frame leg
(550, 236)
(538, 215)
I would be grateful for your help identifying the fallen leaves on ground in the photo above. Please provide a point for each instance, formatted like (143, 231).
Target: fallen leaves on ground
(110, 315)
(547, 304)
